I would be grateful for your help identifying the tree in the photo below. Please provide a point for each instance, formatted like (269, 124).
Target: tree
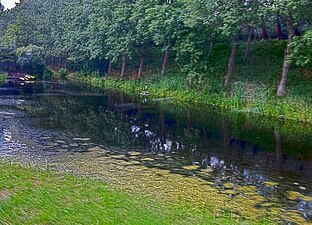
(19, 33)
(121, 32)
(2, 27)
(196, 36)
(143, 38)
(1, 8)
(231, 15)
(98, 29)
(291, 12)
(255, 12)
(163, 24)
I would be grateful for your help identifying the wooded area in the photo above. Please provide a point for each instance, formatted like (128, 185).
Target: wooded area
(92, 34)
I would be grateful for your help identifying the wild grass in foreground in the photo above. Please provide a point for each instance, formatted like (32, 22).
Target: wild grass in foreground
(31, 196)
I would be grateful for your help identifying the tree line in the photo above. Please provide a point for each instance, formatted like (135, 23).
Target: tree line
(96, 32)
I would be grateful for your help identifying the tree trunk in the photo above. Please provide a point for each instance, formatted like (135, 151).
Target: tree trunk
(52, 62)
(141, 66)
(123, 66)
(165, 61)
(281, 89)
(162, 128)
(210, 48)
(122, 98)
(59, 62)
(65, 60)
(225, 135)
(109, 70)
(278, 145)
(162, 56)
(231, 65)
(297, 32)
(265, 34)
(188, 120)
(251, 30)
(278, 28)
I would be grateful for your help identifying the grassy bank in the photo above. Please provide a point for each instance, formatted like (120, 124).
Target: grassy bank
(31, 196)
(288, 108)
(252, 91)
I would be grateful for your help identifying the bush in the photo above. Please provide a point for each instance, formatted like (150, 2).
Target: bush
(3, 77)
(194, 80)
(48, 73)
(302, 50)
(62, 73)
(30, 60)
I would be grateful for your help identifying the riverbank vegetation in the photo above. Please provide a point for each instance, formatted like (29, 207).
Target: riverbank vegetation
(253, 88)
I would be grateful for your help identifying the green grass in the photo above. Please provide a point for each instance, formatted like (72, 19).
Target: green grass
(32, 196)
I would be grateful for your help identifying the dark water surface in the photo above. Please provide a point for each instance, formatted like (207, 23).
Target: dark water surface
(230, 151)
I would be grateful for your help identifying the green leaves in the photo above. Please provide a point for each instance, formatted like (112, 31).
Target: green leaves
(302, 50)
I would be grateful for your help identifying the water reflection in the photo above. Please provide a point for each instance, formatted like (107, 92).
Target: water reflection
(239, 157)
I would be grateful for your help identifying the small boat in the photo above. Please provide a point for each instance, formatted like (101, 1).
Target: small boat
(27, 78)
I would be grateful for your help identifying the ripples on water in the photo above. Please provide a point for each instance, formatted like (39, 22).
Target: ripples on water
(49, 119)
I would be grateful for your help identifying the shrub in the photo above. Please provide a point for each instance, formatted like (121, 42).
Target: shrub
(302, 50)
(48, 73)
(3, 77)
(62, 73)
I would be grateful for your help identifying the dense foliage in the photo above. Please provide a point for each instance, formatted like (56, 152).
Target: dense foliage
(30, 60)
(97, 35)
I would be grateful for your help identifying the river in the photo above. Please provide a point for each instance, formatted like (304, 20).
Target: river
(253, 166)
